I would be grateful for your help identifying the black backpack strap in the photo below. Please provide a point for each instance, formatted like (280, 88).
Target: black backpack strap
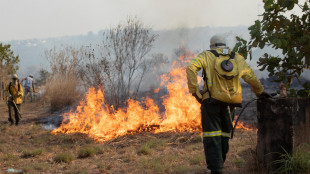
(204, 77)
(10, 85)
(215, 53)
(18, 86)
(232, 55)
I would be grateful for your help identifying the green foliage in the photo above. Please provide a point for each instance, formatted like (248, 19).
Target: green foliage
(7, 59)
(305, 92)
(281, 28)
(298, 162)
(64, 157)
(241, 47)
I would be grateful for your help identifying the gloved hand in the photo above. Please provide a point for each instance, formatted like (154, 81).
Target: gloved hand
(197, 95)
(264, 95)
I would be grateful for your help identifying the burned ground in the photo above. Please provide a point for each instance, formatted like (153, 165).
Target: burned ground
(31, 148)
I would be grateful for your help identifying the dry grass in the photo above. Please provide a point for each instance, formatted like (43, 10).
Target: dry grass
(64, 157)
(62, 91)
(143, 153)
(33, 153)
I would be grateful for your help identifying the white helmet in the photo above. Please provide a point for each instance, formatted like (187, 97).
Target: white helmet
(217, 41)
(30, 75)
(14, 76)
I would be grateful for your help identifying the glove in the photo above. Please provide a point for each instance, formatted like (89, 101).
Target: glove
(264, 95)
(197, 95)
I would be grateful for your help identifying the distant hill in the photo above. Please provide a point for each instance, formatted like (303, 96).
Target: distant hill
(32, 57)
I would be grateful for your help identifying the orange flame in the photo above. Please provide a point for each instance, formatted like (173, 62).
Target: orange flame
(240, 125)
(102, 122)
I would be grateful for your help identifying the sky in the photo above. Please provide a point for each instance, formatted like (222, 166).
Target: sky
(29, 19)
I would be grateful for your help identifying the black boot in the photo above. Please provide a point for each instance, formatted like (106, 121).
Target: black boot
(11, 121)
(214, 172)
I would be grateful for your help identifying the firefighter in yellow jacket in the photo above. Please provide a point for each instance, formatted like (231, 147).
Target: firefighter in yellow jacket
(14, 94)
(222, 70)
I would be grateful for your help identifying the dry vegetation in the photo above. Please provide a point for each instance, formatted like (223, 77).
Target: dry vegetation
(62, 91)
(33, 149)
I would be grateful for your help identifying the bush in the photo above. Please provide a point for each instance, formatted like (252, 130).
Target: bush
(27, 153)
(87, 152)
(145, 150)
(64, 157)
(90, 151)
(62, 91)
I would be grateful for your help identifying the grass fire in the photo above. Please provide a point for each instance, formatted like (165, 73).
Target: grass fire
(167, 89)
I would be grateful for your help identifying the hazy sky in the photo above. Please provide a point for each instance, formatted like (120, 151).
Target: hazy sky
(27, 19)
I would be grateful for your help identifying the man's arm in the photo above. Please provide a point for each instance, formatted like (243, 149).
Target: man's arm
(250, 77)
(22, 80)
(192, 71)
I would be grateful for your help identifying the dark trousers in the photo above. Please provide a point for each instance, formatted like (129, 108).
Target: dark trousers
(11, 108)
(216, 120)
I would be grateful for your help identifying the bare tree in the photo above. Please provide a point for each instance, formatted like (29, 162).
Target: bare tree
(64, 61)
(120, 63)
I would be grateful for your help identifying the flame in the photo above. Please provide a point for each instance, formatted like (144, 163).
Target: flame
(241, 125)
(101, 122)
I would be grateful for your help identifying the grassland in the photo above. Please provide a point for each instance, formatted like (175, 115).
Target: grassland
(33, 149)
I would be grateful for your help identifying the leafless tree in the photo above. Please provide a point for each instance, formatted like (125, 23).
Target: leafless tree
(63, 61)
(120, 62)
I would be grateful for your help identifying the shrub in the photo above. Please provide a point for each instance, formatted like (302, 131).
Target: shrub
(87, 152)
(27, 153)
(90, 151)
(98, 149)
(62, 91)
(64, 157)
(145, 150)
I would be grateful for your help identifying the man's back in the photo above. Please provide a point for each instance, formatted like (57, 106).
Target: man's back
(28, 82)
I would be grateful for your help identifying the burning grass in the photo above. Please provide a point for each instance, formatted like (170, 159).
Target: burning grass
(101, 122)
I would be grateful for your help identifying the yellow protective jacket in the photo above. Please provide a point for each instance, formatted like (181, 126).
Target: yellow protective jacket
(13, 90)
(222, 89)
